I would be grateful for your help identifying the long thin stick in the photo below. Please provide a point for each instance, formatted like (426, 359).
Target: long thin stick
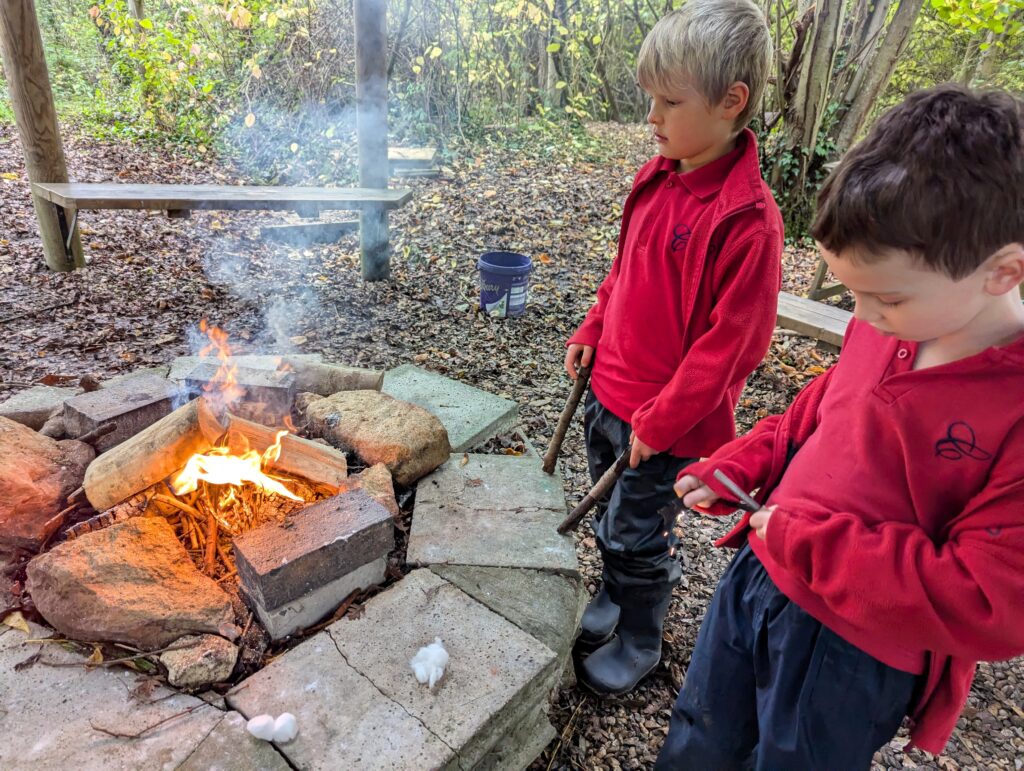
(555, 447)
(597, 492)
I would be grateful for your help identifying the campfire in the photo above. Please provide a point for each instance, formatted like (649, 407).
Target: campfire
(229, 486)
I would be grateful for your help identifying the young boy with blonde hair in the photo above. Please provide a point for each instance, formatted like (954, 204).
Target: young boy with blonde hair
(889, 556)
(684, 316)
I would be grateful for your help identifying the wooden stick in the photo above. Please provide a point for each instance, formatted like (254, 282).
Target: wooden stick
(555, 447)
(597, 492)
(211, 542)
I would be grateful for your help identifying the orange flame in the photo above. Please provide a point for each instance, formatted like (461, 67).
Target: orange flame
(223, 388)
(219, 467)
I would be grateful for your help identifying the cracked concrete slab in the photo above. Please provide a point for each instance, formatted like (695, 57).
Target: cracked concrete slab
(229, 747)
(496, 674)
(344, 720)
(55, 716)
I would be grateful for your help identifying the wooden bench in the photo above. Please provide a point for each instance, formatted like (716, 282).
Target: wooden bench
(809, 317)
(181, 200)
(413, 162)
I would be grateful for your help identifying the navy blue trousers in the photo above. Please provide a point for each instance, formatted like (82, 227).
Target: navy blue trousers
(640, 564)
(770, 688)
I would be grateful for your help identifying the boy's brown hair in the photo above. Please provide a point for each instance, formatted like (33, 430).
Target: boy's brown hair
(940, 176)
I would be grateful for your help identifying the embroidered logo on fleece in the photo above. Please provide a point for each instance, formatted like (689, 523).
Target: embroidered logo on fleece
(960, 442)
(680, 237)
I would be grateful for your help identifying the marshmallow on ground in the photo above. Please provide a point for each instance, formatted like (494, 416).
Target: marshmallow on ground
(429, 662)
(262, 727)
(285, 728)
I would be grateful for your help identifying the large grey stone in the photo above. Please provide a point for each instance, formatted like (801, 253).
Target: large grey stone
(344, 720)
(229, 747)
(316, 545)
(491, 510)
(33, 406)
(50, 716)
(131, 406)
(470, 416)
(305, 611)
(183, 365)
(546, 605)
(496, 675)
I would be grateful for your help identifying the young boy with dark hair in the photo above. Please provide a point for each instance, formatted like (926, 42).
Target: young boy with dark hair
(682, 319)
(889, 556)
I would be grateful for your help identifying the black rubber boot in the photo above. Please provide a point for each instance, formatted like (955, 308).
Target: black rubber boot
(599, 619)
(616, 667)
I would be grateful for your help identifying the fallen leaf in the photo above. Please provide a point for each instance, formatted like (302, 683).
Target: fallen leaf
(16, 621)
(8, 175)
(97, 655)
(465, 459)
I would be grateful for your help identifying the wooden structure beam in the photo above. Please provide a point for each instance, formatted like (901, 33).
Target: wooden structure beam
(28, 81)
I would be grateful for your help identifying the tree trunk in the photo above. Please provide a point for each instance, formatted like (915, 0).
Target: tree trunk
(810, 91)
(372, 131)
(878, 72)
(864, 42)
(969, 62)
(986, 65)
(137, 10)
(28, 82)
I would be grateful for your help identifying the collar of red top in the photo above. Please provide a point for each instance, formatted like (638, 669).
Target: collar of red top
(707, 180)
(741, 183)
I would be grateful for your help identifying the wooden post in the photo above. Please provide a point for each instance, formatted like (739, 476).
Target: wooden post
(29, 83)
(372, 130)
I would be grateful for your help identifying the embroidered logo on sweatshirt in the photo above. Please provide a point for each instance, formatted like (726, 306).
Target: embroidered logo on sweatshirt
(960, 442)
(680, 237)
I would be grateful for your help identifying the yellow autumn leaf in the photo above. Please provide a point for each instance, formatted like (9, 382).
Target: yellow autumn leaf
(271, 20)
(250, 120)
(9, 175)
(97, 655)
(16, 621)
(295, 147)
(257, 71)
(490, 193)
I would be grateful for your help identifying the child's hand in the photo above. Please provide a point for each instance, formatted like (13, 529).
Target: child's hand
(695, 494)
(578, 356)
(639, 451)
(759, 521)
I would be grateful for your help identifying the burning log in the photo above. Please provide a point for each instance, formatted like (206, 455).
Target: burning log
(301, 457)
(326, 379)
(146, 458)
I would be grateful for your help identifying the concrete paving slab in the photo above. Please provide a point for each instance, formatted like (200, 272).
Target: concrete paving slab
(548, 606)
(491, 510)
(183, 365)
(49, 715)
(161, 371)
(496, 675)
(229, 747)
(344, 720)
(521, 746)
(33, 406)
(470, 416)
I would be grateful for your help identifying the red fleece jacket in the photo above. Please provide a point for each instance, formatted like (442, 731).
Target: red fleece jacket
(900, 519)
(677, 333)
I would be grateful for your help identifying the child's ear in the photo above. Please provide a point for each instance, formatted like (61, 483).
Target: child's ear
(735, 100)
(1006, 269)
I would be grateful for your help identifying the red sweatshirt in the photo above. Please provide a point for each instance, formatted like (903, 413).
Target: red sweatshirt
(688, 309)
(900, 519)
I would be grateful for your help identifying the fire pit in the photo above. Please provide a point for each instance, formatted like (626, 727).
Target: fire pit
(218, 538)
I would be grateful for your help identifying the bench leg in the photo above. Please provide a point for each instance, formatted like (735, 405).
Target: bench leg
(58, 229)
(374, 246)
(819, 292)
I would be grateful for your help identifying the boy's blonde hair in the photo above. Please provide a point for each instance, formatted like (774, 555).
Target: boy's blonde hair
(709, 44)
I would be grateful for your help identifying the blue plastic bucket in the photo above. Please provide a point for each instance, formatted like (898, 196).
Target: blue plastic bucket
(504, 277)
